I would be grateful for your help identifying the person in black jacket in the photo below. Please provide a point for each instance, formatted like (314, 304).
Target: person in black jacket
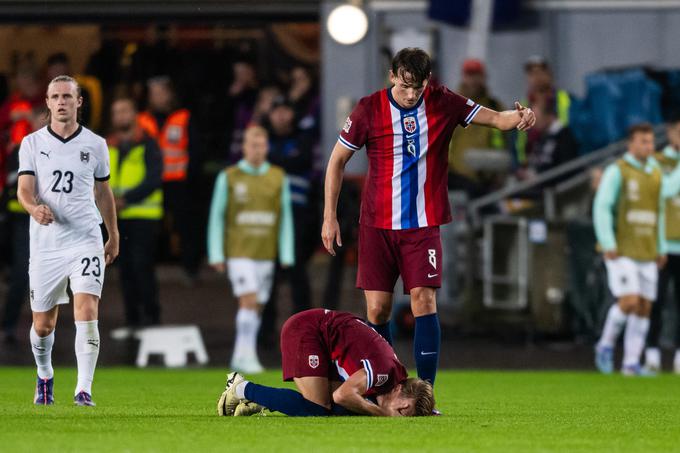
(136, 168)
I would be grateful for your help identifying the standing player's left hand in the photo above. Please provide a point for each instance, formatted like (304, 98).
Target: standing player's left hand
(527, 117)
(111, 250)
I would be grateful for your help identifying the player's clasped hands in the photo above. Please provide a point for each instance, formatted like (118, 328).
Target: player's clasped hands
(43, 214)
(527, 117)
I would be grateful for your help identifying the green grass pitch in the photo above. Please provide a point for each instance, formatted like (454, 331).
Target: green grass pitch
(165, 411)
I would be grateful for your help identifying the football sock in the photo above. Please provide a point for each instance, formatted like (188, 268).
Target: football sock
(653, 357)
(286, 401)
(87, 352)
(247, 327)
(42, 351)
(426, 344)
(340, 411)
(612, 326)
(676, 361)
(383, 330)
(634, 339)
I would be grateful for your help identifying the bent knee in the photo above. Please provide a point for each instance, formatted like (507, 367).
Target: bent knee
(423, 301)
(378, 313)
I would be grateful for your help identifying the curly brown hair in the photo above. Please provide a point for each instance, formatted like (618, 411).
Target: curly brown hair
(421, 392)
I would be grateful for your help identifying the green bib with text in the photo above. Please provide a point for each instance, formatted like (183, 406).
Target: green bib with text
(253, 213)
(668, 164)
(637, 212)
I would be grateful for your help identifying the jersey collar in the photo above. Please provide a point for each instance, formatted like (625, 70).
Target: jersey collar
(67, 139)
(646, 167)
(247, 168)
(400, 108)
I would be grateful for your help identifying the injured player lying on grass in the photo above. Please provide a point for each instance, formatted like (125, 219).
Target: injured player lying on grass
(340, 366)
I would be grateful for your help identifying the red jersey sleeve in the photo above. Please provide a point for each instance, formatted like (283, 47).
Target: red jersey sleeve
(382, 375)
(461, 109)
(354, 133)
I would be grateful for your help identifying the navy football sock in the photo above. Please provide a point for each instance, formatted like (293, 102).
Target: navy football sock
(340, 411)
(286, 401)
(426, 343)
(383, 330)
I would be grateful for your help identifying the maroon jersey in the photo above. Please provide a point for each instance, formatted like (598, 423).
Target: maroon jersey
(354, 346)
(407, 149)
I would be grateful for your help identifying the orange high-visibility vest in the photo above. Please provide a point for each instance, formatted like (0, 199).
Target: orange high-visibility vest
(173, 140)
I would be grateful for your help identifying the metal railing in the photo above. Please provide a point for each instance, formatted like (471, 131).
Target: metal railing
(591, 159)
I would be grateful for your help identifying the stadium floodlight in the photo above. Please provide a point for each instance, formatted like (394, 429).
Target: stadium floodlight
(347, 24)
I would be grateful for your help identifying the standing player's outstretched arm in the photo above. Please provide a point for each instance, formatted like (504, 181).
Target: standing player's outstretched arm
(335, 170)
(107, 207)
(522, 118)
(350, 395)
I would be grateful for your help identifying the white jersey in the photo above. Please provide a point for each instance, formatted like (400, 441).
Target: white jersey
(65, 171)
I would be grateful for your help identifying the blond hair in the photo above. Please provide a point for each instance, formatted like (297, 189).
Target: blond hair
(255, 130)
(421, 392)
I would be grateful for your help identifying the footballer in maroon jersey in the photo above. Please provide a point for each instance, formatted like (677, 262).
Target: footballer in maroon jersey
(340, 366)
(406, 129)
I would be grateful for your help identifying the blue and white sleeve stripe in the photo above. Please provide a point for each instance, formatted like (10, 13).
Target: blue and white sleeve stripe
(471, 115)
(369, 373)
(348, 144)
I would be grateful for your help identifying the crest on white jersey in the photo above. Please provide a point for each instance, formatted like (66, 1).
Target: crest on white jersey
(84, 156)
(381, 379)
(314, 361)
(409, 124)
(348, 125)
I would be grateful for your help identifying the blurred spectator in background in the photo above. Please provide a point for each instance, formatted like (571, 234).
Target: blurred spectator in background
(461, 176)
(15, 112)
(304, 98)
(264, 103)
(250, 224)
(292, 150)
(541, 92)
(669, 159)
(175, 133)
(136, 170)
(90, 88)
(243, 93)
(554, 143)
(17, 230)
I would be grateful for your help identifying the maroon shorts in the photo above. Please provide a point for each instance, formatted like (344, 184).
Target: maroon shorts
(303, 350)
(415, 254)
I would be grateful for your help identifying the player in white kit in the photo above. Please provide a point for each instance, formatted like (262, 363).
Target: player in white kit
(63, 172)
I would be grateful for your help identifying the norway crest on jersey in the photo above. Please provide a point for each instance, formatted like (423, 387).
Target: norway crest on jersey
(409, 124)
(314, 361)
(85, 156)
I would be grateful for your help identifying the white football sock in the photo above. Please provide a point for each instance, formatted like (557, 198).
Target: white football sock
(87, 352)
(634, 339)
(42, 351)
(653, 357)
(612, 326)
(240, 390)
(676, 361)
(247, 327)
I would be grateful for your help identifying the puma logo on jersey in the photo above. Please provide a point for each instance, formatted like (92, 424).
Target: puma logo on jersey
(47, 154)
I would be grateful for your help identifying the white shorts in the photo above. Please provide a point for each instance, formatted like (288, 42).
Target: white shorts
(249, 276)
(628, 277)
(50, 272)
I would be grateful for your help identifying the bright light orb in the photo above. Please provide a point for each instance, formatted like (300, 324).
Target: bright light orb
(347, 24)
